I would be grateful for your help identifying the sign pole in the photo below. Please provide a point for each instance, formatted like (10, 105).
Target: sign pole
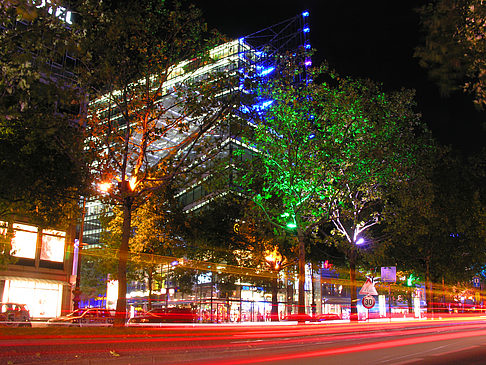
(389, 275)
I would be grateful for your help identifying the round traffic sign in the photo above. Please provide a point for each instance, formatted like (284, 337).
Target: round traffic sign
(368, 301)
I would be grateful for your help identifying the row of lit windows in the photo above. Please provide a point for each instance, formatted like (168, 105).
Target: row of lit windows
(25, 241)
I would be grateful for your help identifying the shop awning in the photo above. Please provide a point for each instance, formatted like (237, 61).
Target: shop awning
(46, 281)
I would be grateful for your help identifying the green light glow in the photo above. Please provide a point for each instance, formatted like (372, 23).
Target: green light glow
(291, 225)
(411, 279)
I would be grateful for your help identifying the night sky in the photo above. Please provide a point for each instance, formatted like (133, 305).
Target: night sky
(372, 39)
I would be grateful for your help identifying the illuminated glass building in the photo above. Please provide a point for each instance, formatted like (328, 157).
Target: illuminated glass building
(252, 55)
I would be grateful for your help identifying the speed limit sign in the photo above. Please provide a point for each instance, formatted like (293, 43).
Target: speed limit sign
(368, 301)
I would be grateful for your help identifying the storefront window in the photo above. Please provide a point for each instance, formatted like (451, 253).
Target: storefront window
(53, 243)
(24, 241)
(43, 299)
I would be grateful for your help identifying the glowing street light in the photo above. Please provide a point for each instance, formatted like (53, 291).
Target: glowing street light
(104, 187)
(292, 224)
(360, 241)
(132, 183)
(273, 258)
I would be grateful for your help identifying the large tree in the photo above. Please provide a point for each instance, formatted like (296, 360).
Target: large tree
(435, 224)
(330, 149)
(147, 131)
(157, 227)
(455, 45)
(41, 155)
(376, 138)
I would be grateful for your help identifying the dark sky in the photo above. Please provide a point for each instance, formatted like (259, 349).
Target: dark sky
(370, 39)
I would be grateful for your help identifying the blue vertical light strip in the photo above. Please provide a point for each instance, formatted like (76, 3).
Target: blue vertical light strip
(306, 43)
(241, 65)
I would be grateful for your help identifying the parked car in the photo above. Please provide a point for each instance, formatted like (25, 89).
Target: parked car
(299, 317)
(14, 315)
(163, 315)
(327, 317)
(84, 317)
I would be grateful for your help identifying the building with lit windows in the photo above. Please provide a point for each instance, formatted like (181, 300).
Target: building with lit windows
(41, 274)
(251, 55)
(254, 54)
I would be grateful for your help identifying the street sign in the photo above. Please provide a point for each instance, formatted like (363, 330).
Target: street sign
(368, 301)
(477, 282)
(328, 271)
(368, 288)
(389, 274)
(329, 274)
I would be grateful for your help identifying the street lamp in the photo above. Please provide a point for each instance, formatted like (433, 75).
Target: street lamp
(275, 260)
(360, 241)
(77, 259)
(104, 187)
(292, 225)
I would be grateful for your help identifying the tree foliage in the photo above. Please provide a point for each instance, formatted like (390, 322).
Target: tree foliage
(435, 225)
(455, 45)
(147, 129)
(330, 149)
(41, 157)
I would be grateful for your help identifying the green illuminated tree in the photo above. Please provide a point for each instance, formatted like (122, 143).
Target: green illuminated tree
(145, 131)
(329, 150)
(376, 138)
(455, 45)
(292, 161)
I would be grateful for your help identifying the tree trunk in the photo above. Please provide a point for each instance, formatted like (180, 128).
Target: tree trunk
(428, 287)
(353, 287)
(121, 304)
(274, 312)
(313, 305)
(301, 303)
(290, 294)
(410, 300)
(150, 283)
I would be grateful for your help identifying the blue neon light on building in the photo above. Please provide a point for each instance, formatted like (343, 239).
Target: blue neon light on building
(265, 71)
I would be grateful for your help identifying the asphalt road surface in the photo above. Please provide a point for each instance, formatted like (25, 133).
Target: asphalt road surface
(451, 341)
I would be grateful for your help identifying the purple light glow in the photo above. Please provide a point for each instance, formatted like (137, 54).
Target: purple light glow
(360, 241)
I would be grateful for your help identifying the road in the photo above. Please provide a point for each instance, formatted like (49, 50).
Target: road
(450, 341)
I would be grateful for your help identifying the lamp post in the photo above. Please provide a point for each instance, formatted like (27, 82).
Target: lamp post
(77, 263)
(353, 258)
(273, 259)
(293, 225)
(276, 262)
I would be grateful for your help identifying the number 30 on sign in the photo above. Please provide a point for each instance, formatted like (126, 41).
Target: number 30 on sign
(368, 301)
